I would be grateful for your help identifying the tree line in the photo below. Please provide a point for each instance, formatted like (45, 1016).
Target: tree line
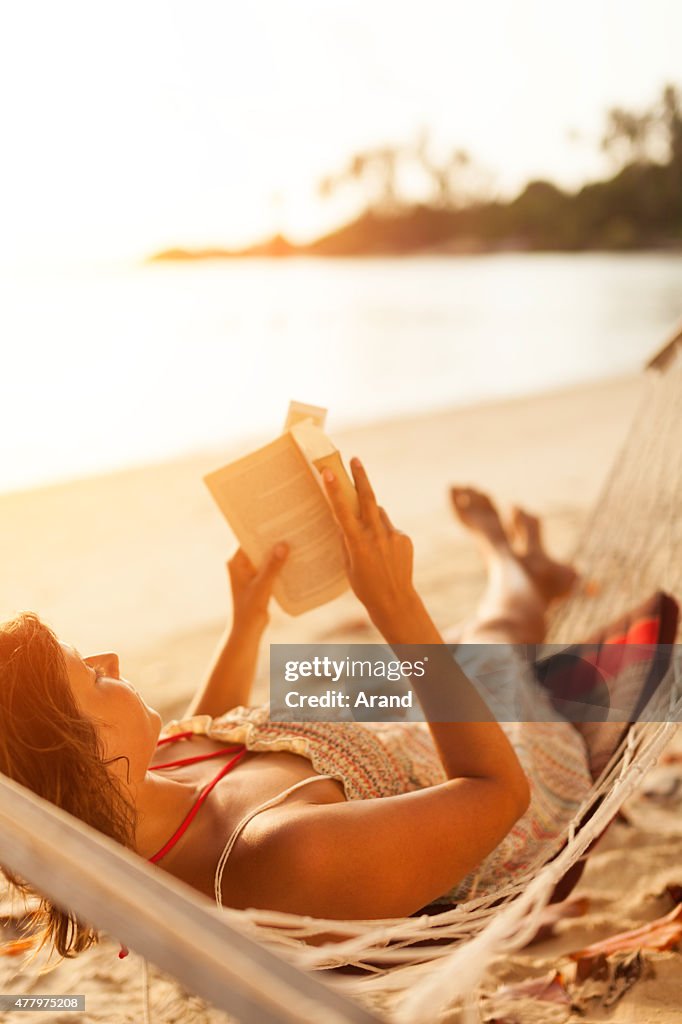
(413, 202)
(639, 206)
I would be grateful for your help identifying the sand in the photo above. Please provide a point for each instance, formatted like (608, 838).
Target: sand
(135, 562)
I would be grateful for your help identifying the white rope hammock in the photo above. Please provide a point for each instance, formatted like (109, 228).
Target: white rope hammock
(406, 981)
(410, 983)
(470, 936)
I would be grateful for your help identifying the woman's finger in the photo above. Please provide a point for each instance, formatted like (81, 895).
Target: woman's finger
(366, 496)
(383, 515)
(340, 503)
(241, 560)
(240, 566)
(272, 565)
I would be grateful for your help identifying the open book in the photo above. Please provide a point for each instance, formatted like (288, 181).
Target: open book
(276, 494)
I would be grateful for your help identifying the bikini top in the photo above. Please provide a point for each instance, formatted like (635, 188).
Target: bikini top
(238, 751)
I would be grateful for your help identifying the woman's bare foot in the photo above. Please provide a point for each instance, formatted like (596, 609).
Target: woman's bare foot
(521, 542)
(476, 511)
(512, 607)
(553, 579)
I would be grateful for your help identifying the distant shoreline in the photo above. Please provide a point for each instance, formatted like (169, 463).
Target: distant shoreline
(634, 211)
(262, 251)
(638, 208)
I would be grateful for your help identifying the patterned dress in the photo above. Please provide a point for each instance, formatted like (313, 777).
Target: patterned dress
(379, 759)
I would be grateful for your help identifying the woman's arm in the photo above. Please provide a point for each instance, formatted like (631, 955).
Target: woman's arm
(230, 675)
(385, 857)
(391, 856)
(379, 566)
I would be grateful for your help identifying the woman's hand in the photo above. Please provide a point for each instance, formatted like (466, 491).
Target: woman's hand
(252, 588)
(231, 673)
(378, 557)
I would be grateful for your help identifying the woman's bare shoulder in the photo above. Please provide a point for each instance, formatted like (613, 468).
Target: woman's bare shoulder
(367, 858)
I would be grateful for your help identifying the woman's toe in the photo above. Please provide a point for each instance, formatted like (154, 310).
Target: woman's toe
(460, 497)
(526, 531)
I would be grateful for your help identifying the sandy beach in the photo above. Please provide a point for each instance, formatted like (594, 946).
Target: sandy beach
(135, 562)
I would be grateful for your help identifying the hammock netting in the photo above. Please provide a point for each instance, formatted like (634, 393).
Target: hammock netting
(408, 969)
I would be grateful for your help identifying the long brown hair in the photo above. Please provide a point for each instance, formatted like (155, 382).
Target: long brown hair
(49, 746)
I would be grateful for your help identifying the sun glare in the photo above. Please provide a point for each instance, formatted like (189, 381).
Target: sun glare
(142, 126)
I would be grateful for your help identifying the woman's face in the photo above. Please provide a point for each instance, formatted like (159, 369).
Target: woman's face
(126, 725)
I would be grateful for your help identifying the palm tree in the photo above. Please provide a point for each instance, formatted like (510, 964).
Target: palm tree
(375, 171)
(627, 135)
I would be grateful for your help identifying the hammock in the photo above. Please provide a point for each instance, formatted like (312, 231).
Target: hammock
(414, 967)
(635, 530)
(411, 967)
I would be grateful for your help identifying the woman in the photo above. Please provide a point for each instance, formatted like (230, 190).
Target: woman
(337, 821)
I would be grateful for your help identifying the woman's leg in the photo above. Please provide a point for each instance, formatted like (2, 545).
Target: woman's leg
(522, 579)
(522, 582)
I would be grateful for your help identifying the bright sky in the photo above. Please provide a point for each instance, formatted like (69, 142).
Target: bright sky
(140, 124)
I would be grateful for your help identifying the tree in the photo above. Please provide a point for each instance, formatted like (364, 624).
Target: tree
(375, 171)
(382, 173)
(627, 135)
(671, 103)
(448, 177)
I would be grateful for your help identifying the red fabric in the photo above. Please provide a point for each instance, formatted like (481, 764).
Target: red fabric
(620, 650)
(590, 672)
(189, 818)
(195, 760)
(644, 631)
(123, 951)
(178, 736)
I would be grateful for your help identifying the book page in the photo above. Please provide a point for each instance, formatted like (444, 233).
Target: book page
(272, 495)
(299, 411)
(320, 451)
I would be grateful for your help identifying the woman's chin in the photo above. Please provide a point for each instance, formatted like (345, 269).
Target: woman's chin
(156, 721)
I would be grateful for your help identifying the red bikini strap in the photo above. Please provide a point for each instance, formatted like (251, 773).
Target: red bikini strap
(196, 759)
(178, 736)
(193, 810)
(123, 952)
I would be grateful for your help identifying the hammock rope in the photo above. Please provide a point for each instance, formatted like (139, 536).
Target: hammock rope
(409, 983)
(414, 967)
(636, 524)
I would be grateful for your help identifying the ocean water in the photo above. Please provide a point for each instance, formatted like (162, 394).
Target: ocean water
(105, 369)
